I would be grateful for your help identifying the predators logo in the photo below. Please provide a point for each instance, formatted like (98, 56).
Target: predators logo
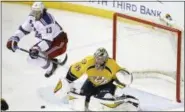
(84, 61)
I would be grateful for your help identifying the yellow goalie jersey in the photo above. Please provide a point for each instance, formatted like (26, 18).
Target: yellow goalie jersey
(97, 77)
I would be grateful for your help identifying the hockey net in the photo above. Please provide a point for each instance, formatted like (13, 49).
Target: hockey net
(150, 50)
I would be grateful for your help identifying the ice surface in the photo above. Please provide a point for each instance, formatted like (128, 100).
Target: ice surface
(26, 89)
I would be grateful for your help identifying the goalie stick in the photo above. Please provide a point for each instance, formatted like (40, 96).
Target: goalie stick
(59, 63)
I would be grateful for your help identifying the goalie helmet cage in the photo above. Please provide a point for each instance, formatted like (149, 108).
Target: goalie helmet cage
(159, 26)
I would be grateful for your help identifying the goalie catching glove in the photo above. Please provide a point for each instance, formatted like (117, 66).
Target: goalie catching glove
(124, 78)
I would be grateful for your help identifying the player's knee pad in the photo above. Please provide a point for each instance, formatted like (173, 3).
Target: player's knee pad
(62, 88)
(76, 101)
(112, 104)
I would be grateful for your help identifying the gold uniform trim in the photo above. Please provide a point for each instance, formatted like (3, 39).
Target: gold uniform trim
(114, 105)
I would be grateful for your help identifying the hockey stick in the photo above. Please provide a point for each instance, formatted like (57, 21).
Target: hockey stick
(59, 63)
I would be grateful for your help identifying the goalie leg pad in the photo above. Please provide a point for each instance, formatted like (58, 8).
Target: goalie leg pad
(129, 99)
(62, 88)
(97, 104)
(112, 104)
(76, 101)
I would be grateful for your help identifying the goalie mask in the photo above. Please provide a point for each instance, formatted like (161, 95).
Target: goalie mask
(101, 56)
(37, 10)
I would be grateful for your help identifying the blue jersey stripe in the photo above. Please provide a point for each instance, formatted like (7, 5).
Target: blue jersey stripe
(49, 15)
(46, 19)
(24, 31)
(43, 22)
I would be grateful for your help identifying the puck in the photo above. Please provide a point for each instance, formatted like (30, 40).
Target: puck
(42, 107)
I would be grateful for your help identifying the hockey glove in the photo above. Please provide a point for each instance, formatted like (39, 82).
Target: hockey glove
(12, 43)
(34, 52)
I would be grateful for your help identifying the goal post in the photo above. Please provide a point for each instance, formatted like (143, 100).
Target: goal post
(150, 25)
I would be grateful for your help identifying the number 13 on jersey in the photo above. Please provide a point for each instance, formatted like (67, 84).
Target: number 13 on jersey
(49, 30)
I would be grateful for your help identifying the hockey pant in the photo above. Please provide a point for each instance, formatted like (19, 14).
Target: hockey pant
(88, 89)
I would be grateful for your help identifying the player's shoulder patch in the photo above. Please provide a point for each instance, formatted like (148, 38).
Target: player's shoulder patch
(47, 19)
(84, 61)
(89, 57)
(77, 67)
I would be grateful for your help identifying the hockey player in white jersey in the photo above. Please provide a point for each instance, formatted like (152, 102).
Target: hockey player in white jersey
(53, 40)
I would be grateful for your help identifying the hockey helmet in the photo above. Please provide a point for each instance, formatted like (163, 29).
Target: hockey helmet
(101, 56)
(37, 9)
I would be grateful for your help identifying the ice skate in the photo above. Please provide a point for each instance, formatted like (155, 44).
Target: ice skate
(55, 66)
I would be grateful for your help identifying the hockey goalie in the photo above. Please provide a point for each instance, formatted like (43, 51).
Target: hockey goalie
(104, 76)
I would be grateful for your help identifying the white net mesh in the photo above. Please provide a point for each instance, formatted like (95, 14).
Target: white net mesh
(148, 52)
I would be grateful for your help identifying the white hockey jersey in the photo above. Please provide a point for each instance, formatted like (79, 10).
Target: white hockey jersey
(45, 29)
